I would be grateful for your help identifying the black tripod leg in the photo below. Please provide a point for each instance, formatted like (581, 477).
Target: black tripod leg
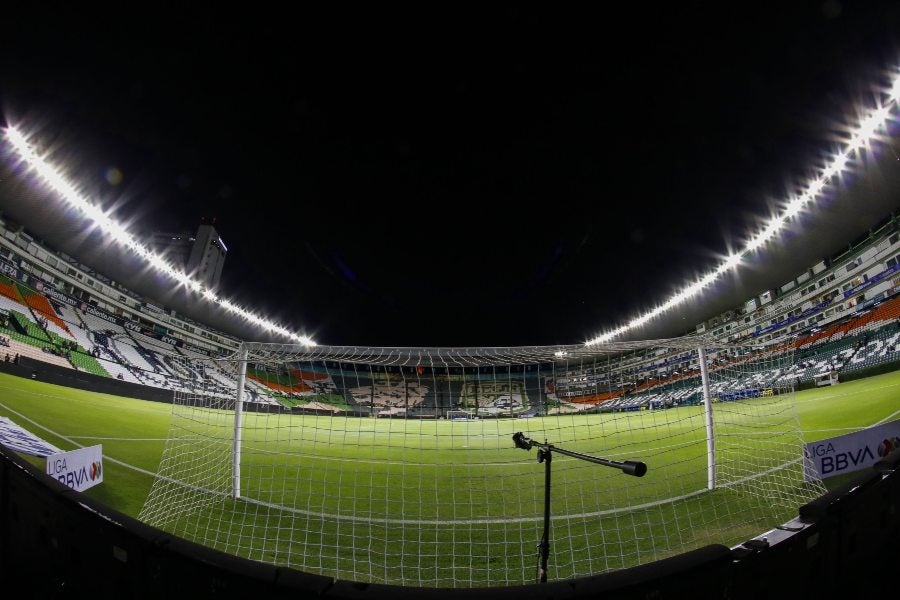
(544, 547)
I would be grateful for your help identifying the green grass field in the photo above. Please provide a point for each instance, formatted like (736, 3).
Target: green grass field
(374, 500)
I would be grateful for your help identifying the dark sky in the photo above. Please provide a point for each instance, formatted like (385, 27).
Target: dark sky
(483, 177)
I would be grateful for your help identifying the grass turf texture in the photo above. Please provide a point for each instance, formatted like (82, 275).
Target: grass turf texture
(132, 433)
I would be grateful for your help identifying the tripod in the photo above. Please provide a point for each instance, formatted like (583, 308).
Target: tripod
(545, 455)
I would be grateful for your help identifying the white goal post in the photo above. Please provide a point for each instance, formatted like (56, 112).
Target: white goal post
(351, 462)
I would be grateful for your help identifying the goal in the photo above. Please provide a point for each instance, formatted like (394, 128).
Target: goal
(461, 415)
(283, 454)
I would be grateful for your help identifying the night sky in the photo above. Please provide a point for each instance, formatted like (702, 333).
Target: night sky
(488, 177)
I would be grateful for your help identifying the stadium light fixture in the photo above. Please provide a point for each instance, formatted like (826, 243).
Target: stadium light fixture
(67, 192)
(860, 138)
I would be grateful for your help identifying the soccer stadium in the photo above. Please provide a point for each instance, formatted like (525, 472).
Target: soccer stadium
(707, 463)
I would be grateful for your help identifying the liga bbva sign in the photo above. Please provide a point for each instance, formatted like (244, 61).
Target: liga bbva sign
(79, 469)
(852, 452)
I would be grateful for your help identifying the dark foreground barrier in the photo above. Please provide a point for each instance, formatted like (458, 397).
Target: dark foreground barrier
(55, 542)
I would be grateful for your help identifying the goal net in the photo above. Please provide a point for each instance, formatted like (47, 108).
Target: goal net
(398, 465)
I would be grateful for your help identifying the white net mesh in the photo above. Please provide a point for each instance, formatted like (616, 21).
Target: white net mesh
(398, 465)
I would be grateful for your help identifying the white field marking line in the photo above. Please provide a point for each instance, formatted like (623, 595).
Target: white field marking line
(37, 394)
(830, 396)
(838, 395)
(74, 443)
(766, 472)
(118, 439)
(886, 419)
(385, 521)
(834, 429)
(15, 389)
(599, 513)
(749, 433)
(360, 519)
(354, 518)
(250, 449)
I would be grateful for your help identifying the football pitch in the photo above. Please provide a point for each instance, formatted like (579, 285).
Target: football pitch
(134, 432)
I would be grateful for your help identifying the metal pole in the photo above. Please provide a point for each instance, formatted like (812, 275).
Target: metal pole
(710, 433)
(544, 547)
(238, 422)
(629, 467)
(545, 455)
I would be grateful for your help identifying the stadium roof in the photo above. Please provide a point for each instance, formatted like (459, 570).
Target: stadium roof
(848, 216)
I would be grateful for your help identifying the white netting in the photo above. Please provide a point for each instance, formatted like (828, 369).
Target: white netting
(398, 465)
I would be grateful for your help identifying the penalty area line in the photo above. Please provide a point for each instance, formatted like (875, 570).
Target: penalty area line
(117, 439)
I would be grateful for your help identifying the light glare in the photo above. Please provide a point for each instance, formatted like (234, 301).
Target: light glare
(868, 128)
(120, 235)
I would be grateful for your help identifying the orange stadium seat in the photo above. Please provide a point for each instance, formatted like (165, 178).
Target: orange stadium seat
(595, 398)
(298, 386)
(40, 304)
(9, 290)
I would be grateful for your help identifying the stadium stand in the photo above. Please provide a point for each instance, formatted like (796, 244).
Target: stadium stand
(40, 307)
(841, 330)
(859, 342)
(75, 325)
(8, 289)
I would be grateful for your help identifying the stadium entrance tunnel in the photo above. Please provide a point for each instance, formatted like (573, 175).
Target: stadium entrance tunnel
(55, 541)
